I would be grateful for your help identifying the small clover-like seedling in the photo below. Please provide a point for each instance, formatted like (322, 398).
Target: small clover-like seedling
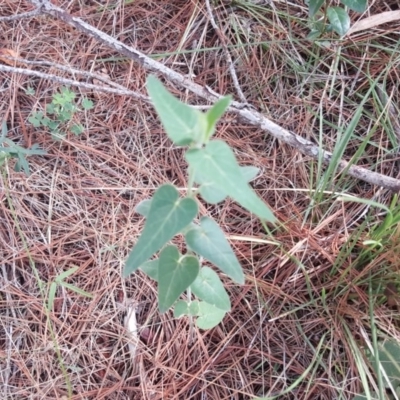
(60, 113)
(59, 281)
(214, 170)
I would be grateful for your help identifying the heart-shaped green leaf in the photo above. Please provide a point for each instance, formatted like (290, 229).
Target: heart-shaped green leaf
(208, 240)
(212, 194)
(168, 215)
(150, 268)
(208, 287)
(175, 274)
(209, 316)
(339, 19)
(217, 164)
(183, 124)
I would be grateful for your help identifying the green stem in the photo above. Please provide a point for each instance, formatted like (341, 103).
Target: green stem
(191, 192)
(191, 331)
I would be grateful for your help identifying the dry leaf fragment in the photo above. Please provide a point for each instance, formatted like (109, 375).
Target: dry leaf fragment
(392, 295)
(101, 83)
(6, 56)
(131, 326)
(374, 20)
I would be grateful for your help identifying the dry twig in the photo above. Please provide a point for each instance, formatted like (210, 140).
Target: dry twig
(227, 54)
(65, 81)
(249, 116)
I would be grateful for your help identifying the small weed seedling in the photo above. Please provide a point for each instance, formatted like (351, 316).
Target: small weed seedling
(60, 113)
(338, 18)
(8, 149)
(59, 281)
(215, 172)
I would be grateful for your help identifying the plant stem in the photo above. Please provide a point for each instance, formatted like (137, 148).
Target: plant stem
(190, 190)
(191, 330)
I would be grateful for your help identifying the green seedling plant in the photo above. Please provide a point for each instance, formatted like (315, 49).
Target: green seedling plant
(328, 18)
(60, 113)
(383, 353)
(214, 174)
(8, 149)
(59, 281)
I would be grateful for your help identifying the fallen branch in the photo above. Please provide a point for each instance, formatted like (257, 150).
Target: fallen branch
(248, 115)
(228, 57)
(120, 90)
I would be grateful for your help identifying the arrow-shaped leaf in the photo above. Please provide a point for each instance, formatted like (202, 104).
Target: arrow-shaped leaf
(143, 207)
(217, 164)
(314, 6)
(168, 215)
(212, 194)
(183, 124)
(208, 240)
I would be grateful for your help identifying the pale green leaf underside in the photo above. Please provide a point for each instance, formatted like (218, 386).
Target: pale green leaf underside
(168, 215)
(209, 316)
(217, 164)
(249, 172)
(175, 274)
(181, 308)
(389, 359)
(186, 308)
(208, 287)
(143, 207)
(182, 123)
(212, 194)
(209, 241)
